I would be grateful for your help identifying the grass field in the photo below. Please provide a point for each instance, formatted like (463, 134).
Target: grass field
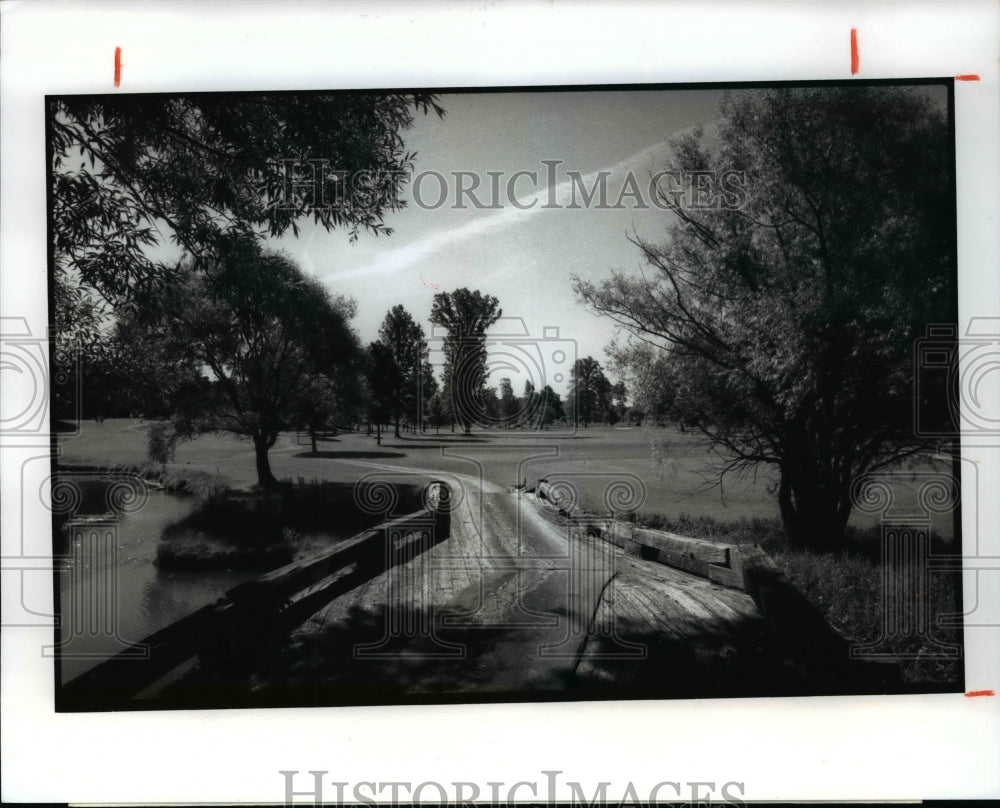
(592, 460)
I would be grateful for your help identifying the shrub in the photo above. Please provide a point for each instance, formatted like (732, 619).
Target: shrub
(161, 441)
(264, 529)
(225, 533)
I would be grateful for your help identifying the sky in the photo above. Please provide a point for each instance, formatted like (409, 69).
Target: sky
(525, 258)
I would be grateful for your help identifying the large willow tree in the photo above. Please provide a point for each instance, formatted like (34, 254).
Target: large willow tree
(783, 327)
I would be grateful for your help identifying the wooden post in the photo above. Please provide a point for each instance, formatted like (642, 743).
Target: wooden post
(438, 502)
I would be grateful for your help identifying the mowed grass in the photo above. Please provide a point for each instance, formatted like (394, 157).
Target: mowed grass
(599, 463)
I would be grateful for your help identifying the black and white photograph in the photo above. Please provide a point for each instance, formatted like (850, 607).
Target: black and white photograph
(602, 393)
(499, 403)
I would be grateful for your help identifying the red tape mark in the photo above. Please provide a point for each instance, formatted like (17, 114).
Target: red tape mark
(967, 77)
(973, 693)
(854, 51)
(118, 66)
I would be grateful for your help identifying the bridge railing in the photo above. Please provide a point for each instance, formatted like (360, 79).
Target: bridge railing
(789, 615)
(281, 598)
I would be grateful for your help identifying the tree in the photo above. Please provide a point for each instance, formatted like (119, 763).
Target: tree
(204, 172)
(489, 408)
(509, 405)
(589, 390)
(437, 413)
(271, 337)
(619, 397)
(406, 341)
(384, 381)
(550, 407)
(781, 324)
(204, 169)
(322, 407)
(466, 315)
(140, 373)
(530, 404)
(430, 390)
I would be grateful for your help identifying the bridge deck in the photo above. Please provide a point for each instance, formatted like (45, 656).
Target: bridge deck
(513, 605)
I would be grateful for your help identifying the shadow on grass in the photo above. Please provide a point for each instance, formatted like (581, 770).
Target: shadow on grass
(418, 446)
(305, 441)
(491, 437)
(374, 453)
(446, 439)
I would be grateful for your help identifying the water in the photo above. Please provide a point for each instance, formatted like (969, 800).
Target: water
(113, 595)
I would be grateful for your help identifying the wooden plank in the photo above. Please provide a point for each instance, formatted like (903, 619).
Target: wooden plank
(618, 533)
(724, 576)
(681, 561)
(374, 547)
(706, 551)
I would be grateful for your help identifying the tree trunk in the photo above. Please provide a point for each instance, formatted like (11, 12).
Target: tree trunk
(397, 428)
(814, 514)
(261, 445)
(312, 435)
(378, 434)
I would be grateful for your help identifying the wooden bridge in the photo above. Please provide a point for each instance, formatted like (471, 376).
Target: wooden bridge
(502, 594)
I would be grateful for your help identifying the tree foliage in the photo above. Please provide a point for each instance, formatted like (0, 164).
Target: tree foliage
(466, 315)
(138, 177)
(385, 379)
(405, 339)
(509, 404)
(272, 339)
(589, 391)
(130, 171)
(549, 407)
(783, 329)
(437, 412)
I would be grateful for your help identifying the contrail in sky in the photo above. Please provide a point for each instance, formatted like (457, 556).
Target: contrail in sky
(396, 260)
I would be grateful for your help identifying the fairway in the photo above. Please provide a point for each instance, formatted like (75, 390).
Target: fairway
(675, 480)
